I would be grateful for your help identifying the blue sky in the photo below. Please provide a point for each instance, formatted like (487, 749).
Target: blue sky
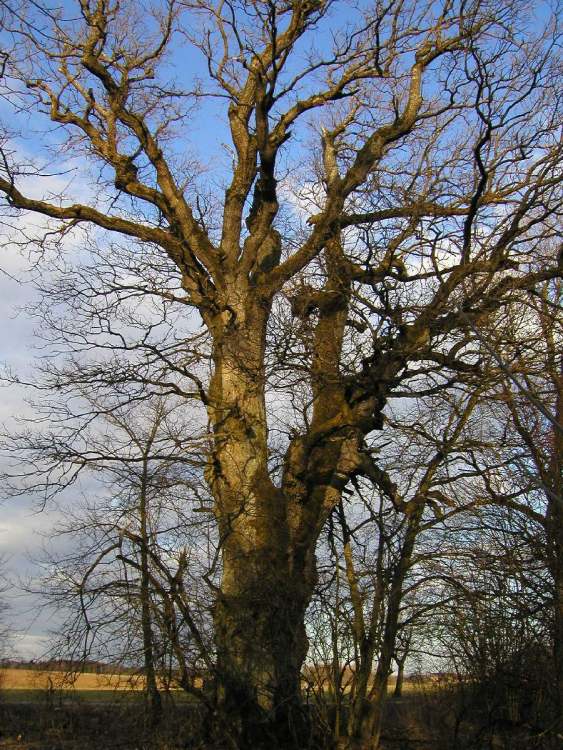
(21, 525)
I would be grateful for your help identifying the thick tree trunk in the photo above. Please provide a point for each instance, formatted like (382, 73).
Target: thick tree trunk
(268, 533)
(266, 585)
(261, 646)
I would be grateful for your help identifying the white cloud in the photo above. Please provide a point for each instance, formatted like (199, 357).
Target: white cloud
(27, 646)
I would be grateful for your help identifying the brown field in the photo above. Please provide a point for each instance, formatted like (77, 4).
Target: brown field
(315, 679)
(29, 679)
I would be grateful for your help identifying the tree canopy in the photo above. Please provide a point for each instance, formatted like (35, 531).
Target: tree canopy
(387, 184)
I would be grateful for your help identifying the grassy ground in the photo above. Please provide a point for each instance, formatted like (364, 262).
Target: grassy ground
(96, 720)
(55, 711)
(25, 695)
(92, 717)
(95, 725)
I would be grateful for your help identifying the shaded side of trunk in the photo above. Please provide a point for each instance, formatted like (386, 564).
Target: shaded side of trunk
(261, 646)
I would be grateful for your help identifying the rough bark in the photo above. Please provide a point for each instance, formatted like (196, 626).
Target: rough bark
(266, 586)
(268, 533)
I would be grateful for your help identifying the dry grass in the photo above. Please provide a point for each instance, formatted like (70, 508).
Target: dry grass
(29, 679)
(416, 685)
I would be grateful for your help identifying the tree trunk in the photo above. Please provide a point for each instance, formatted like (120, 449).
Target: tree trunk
(266, 583)
(261, 645)
(268, 533)
(154, 703)
(364, 727)
(398, 692)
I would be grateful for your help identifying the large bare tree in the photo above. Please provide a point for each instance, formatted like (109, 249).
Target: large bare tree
(393, 180)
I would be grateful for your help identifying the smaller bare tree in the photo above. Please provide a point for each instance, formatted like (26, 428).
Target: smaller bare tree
(133, 581)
